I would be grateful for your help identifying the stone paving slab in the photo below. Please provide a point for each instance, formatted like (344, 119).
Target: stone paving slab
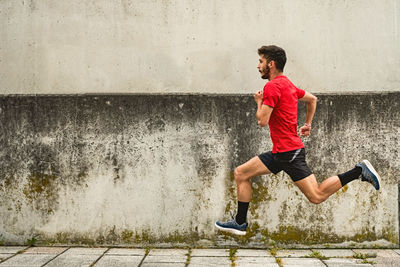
(158, 264)
(256, 261)
(4, 256)
(295, 253)
(384, 257)
(165, 258)
(397, 251)
(210, 253)
(126, 251)
(86, 251)
(309, 262)
(378, 252)
(376, 255)
(46, 250)
(11, 250)
(27, 260)
(370, 252)
(78, 257)
(73, 260)
(210, 262)
(257, 265)
(252, 253)
(339, 262)
(119, 261)
(168, 252)
(337, 253)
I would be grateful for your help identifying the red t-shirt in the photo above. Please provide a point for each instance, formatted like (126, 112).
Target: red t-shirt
(282, 95)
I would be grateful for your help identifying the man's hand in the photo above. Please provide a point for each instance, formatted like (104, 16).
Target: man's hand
(305, 130)
(258, 97)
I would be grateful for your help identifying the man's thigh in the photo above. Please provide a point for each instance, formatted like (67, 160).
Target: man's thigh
(253, 167)
(308, 186)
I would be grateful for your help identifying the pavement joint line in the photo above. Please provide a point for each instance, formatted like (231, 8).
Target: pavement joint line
(15, 254)
(101, 256)
(56, 256)
(12, 255)
(144, 257)
(321, 260)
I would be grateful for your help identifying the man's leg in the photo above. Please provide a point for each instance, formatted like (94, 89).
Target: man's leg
(317, 194)
(243, 174)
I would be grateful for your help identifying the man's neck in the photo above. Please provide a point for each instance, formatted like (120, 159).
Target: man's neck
(274, 75)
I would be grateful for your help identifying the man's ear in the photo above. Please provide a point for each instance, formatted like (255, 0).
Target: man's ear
(271, 63)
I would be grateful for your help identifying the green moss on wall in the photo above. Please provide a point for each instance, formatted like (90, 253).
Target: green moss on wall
(125, 237)
(41, 191)
(296, 235)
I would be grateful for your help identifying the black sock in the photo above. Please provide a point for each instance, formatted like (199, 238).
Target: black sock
(350, 175)
(242, 212)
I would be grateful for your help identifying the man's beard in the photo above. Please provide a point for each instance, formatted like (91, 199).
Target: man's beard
(266, 75)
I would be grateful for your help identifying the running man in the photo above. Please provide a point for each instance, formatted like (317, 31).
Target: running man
(277, 107)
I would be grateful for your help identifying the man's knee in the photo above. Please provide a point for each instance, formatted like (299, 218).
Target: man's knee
(239, 175)
(316, 198)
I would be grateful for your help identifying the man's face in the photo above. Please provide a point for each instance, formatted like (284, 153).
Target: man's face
(263, 67)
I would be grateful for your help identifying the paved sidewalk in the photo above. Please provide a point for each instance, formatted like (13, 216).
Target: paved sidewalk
(108, 257)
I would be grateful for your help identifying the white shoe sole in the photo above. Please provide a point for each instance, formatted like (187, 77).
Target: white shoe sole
(369, 165)
(230, 230)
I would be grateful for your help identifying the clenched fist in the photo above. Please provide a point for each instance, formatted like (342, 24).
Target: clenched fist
(258, 97)
(305, 130)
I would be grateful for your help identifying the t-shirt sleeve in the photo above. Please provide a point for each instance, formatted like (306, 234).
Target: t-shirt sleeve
(300, 93)
(271, 95)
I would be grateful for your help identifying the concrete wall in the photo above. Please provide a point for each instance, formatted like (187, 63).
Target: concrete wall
(157, 169)
(122, 46)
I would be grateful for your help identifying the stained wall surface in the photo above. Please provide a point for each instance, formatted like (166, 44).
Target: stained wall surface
(157, 169)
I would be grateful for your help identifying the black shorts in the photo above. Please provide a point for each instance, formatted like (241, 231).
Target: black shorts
(292, 162)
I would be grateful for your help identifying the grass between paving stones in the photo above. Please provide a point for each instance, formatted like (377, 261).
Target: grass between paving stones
(189, 257)
(317, 255)
(367, 261)
(146, 252)
(273, 252)
(279, 261)
(364, 257)
(232, 256)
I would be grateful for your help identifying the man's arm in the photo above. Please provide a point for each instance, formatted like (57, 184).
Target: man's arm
(311, 102)
(263, 111)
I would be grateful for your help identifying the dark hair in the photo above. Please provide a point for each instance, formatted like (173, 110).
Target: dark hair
(275, 53)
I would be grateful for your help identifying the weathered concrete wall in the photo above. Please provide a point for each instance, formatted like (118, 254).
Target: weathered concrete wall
(157, 169)
(122, 46)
